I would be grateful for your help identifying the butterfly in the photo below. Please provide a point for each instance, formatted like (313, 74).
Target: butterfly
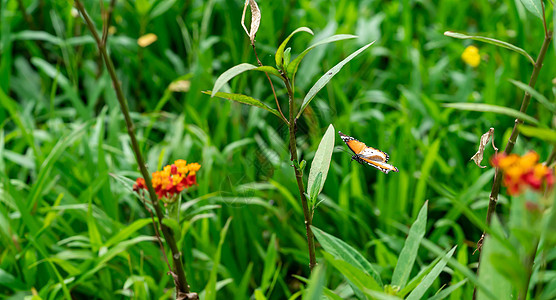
(368, 155)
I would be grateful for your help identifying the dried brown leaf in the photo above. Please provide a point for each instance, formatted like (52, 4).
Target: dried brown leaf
(478, 157)
(255, 19)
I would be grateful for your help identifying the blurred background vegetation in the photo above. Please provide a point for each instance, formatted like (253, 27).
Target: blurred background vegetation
(68, 217)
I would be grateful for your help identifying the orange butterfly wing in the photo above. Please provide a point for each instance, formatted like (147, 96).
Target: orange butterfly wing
(353, 144)
(382, 166)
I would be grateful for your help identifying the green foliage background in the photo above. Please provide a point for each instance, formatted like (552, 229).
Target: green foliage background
(66, 168)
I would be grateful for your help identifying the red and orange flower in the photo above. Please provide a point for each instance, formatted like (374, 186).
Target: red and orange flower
(172, 180)
(524, 171)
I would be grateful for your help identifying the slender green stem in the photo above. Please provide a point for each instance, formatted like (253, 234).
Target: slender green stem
(299, 177)
(493, 198)
(178, 272)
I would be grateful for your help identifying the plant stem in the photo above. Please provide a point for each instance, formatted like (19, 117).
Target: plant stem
(299, 177)
(515, 132)
(493, 199)
(178, 272)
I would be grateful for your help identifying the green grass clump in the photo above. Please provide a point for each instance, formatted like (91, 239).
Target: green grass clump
(72, 227)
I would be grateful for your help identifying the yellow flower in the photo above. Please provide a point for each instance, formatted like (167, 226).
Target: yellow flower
(147, 39)
(471, 56)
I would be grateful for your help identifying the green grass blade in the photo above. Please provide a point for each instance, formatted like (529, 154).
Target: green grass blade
(315, 287)
(279, 57)
(420, 290)
(446, 292)
(11, 282)
(126, 232)
(321, 162)
(354, 274)
(269, 264)
(327, 77)
(339, 249)
(493, 109)
(492, 41)
(211, 285)
(410, 249)
(48, 163)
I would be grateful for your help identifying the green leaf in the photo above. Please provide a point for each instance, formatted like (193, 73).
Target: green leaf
(410, 249)
(294, 64)
(326, 78)
(540, 97)
(245, 100)
(269, 264)
(314, 192)
(38, 36)
(420, 290)
(496, 42)
(339, 249)
(493, 109)
(534, 6)
(280, 52)
(161, 8)
(211, 285)
(229, 74)
(173, 225)
(315, 287)
(236, 70)
(126, 232)
(354, 274)
(11, 282)
(544, 134)
(446, 292)
(488, 274)
(321, 162)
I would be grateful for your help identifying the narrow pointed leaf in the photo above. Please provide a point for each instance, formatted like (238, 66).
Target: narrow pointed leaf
(422, 288)
(211, 285)
(321, 162)
(410, 249)
(315, 287)
(493, 109)
(292, 67)
(245, 100)
(544, 134)
(496, 42)
(279, 57)
(446, 292)
(339, 249)
(327, 76)
(498, 283)
(534, 6)
(354, 274)
(236, 70)
(538, 96)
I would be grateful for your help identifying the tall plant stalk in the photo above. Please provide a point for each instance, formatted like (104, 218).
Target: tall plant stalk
(299, 177)
(178, 273)
(493, 198)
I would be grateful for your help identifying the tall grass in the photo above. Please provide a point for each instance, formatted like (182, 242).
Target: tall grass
(70, 225)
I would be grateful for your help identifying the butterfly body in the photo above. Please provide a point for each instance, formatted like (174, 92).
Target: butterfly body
(368, 155)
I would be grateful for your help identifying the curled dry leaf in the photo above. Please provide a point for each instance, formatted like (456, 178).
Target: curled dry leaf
(478, 157)
(255, 19)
